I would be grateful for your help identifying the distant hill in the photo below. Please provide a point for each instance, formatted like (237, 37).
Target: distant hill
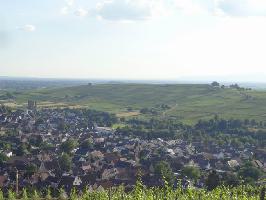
(187, 102)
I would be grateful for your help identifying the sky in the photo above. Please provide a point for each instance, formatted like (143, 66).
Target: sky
(134, 39)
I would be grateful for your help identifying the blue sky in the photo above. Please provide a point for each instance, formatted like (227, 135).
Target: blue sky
(134, 39)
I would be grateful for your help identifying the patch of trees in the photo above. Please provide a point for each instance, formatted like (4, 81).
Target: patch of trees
(3, 158)
(233, 131)
(163, 172)
(146, 133)
(36, 140)
(213, 180)
(148, 111)
(236, 86)
(69, 145)
(220, 131)
(87, 144)
(87, 117)
(191, 172)
(65, 162)
(164, 106)
(100, 117)
(240, 131)
(246, 173)
(22, 149)
(151, 129)
(155, 124)
(31, 169)
(7, 95)
(215, 84)
(232, 86)
(155, 110)
(249, 173)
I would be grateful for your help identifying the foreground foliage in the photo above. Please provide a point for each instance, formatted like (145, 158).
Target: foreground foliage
(140, 192)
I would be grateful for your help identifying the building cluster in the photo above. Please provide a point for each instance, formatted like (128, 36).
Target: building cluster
(110, 159)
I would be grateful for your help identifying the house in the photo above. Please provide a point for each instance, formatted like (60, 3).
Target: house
(86, 167)
(111, 157)
(103, 130)
(97, 154)
(9, 154)
(43, 173)
(259, 165)
(77, 181)
(233, 163)
(109, 173)
(219, 155)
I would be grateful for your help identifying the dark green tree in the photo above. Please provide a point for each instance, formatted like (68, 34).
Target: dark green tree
(69, 145)
(21, 150)
(87, 144)
(3, 158)
(30, 170)
(65, 162)
(164, 171)
(191, 172)
(215, 84)
(230, 179)
(213, 180)
(249, 173)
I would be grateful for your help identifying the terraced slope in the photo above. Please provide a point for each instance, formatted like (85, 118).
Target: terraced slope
(187, 102)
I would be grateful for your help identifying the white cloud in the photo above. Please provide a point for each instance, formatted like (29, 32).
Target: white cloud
(130, 10)
(28, 28)
(191, 7)
(64, 10)
(117, 10)
(243, 7)
(223, 7)
(70, 2)
(134, 10)
(81, 12)
(71, 8)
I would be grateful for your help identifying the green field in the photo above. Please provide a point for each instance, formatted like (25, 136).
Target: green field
(188, 103)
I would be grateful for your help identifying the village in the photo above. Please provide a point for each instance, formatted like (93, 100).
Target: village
(63, 149)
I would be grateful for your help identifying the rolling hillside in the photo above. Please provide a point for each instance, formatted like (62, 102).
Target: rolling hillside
(186, 102)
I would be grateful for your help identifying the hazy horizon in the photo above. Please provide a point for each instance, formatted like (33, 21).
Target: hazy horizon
(252, 84)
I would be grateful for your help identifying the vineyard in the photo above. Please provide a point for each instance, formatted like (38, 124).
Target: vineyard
(140, 192)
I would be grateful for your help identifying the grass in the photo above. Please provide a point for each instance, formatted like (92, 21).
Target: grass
(115, 126)
(128, 114)
(188, 102)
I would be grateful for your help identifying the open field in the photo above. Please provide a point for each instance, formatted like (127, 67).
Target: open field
(187, 103)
